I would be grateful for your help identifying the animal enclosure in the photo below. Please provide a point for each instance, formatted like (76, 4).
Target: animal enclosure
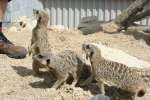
(69, 12)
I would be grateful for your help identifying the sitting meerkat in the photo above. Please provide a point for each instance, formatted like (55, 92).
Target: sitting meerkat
(39, 41)
(112, 73)
(63, 64)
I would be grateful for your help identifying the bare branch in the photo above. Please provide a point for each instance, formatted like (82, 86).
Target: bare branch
(132, 10)
(143, 28)
(140, 16)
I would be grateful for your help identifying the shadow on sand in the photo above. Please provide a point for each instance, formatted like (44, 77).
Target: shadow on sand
(48, 80)
(140, 36)
(22, 71)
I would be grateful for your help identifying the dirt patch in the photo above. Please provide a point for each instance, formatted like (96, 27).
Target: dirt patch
(17, 82)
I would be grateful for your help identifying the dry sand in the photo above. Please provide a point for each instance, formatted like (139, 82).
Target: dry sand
(17, 82)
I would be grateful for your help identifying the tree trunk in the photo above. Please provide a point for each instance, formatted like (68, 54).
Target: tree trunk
(126, 18)
(140, 16)
(143, 28)
(132, 10)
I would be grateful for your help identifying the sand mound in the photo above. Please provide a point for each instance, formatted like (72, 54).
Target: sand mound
(17, 82)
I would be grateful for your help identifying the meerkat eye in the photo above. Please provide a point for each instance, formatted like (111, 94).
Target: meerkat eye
(48, 61)
(37, 12)
(40, 56)
(20, 23)
(87, 47)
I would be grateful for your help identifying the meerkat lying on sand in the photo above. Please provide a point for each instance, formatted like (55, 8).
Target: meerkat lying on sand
(63, 64)
(113, 73)
(39, 41)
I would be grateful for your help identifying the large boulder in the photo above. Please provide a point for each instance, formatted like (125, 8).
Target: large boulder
(89, 25)
(100, 97)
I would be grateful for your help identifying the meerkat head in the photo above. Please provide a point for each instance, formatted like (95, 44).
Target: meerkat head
(90, 50)
(22, 24)
(43, 58)
(137, 89)
(41, 16)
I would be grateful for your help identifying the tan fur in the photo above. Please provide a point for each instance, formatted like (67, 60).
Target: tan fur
(113, 73)
(39, 41)
(63, 64)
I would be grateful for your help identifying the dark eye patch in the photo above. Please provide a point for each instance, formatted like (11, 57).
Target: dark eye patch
(39, 20)
(48, 61)
(40, 56)
(87, 47)
(37, 12)
(91, 54)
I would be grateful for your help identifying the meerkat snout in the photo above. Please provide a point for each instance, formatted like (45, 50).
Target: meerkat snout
(138, 89)
(141, 93)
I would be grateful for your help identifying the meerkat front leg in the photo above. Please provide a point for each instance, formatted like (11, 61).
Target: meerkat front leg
(88, 80)
(60, 80)
(101, 87)
(30, 48)
(35, 67)
(75, 79)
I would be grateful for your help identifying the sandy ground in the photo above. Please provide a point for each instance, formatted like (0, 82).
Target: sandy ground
(17, 82)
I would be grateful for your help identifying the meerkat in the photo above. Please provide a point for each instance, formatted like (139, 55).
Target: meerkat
(39, 41)
(113, 73)
(63, 64)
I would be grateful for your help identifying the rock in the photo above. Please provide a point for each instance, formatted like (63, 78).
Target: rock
(100, 97)
(89, 25)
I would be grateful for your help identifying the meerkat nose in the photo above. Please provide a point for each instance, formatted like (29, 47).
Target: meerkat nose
(141, 93)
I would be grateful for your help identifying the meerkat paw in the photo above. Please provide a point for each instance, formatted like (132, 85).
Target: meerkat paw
(74, 83)
(29, 50)
(57, 84)
(101, 87)
(35, 73)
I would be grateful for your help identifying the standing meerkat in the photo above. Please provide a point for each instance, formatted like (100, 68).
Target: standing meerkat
(39, 41)
(113, 73)
(63, 64)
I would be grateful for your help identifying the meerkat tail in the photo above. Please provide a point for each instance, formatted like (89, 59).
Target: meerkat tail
(143, 71)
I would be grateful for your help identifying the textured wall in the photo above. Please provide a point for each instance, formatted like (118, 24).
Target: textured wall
(69, 12)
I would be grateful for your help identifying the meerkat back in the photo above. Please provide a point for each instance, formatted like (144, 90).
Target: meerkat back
(117, 74)
(114, 73)
(39, 39)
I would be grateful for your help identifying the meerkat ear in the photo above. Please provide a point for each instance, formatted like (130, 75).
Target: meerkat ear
(35, 11)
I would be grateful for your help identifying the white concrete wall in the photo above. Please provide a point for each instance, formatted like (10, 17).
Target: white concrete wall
(69, 12)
